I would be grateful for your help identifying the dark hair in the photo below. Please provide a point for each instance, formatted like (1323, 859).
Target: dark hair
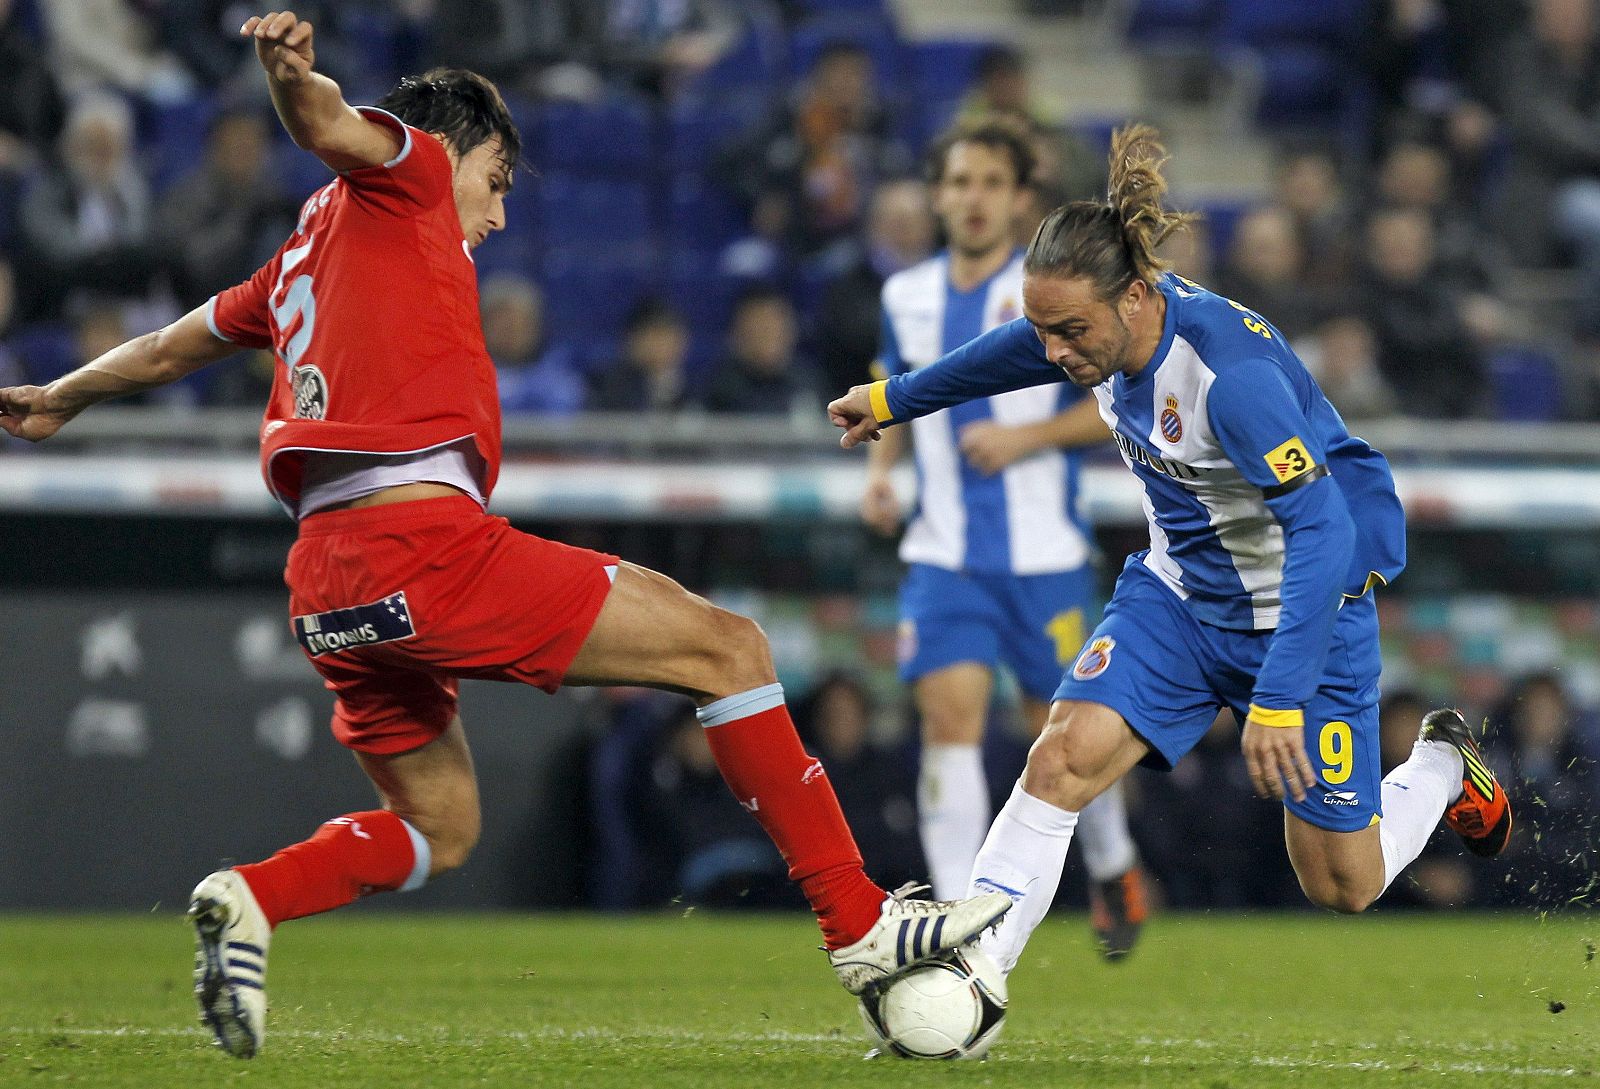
(461, 105)
(650, 311)
(1113, 242)
(840, 48)
(1003, 134)
(998, 60)
(757, 294)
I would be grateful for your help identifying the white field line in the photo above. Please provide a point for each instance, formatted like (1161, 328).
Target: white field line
(1276, 1062)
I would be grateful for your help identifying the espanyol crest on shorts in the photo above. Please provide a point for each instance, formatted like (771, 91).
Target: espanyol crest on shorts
(1094, 658)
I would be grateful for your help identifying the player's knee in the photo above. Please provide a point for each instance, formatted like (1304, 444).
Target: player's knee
(451, 843)
(1345, 895)
(1056, 773)
(736, 654)
(944, 725)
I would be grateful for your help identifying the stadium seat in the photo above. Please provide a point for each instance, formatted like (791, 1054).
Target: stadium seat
(172, 138)
(302, 172)
(615, 135)
(946, 67)
(48, 350)
(504, 252)
(604, 214)
(702, 216)
(374, 34)
(587, 294)
(875, 35)
(1221, 218)
(1262, 22)
(1525, 382)
(704, 299)
(1301, 85)
(1186, 23)
(833, 7)
(701, 125)
(759, 62)
(942, 71)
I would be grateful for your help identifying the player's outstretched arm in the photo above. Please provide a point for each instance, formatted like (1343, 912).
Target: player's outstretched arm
(310, 105)
(37, 412)
(1005, 358)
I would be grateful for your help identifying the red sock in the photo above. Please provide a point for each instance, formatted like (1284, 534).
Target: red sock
(347, 858)
(763, 763)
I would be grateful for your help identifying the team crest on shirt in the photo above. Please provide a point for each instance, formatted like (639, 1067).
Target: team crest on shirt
(1171, 422)
(1094, 659)
(1009, 312)
(310, 390)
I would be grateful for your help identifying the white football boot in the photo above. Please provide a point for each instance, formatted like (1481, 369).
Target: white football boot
(230, 961)
(911, 931)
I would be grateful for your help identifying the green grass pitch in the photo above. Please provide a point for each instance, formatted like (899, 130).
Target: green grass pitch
(706, 1001)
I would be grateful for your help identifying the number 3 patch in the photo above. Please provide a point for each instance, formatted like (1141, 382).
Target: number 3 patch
(1290, 460)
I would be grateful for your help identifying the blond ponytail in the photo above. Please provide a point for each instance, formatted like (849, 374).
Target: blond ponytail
(1134, 193)
(1114, 242)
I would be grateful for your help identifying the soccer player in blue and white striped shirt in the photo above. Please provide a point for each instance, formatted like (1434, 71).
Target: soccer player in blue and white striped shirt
(1270, 526)
(997, 550)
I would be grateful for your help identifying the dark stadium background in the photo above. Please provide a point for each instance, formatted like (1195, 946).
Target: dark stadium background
(1407, 188)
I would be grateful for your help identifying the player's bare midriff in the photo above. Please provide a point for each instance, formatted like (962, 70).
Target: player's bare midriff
(400, 493)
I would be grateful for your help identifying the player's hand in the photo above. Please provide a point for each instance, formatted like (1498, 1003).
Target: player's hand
(1275, 756)
(880, 506)
(992, 446)
(283, 44)
(853, 412)
(24, 414)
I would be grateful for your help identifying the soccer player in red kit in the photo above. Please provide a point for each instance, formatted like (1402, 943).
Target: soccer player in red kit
(382, 436)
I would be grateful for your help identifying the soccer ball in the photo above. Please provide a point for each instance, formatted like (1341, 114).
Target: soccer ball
(952, 1008)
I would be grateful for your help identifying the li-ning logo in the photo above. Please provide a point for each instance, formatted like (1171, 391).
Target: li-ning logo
(355, 826)
(753, 805)
(812, 773)
(1340, 797)
(1171, 422)
(381, 621)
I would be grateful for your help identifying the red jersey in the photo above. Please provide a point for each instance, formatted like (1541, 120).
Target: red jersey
(371, 308)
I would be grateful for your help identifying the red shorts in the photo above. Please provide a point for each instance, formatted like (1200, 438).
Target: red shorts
(393, 603)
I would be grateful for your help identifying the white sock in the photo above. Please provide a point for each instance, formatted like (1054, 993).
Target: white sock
(952, 813)
(1414, 796)
(1103, 836)
(1023, 856)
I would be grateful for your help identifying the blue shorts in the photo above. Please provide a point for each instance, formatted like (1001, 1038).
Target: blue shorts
(1168, 674)
(1032, 623)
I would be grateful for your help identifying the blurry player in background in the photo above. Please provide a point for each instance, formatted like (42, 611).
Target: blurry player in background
(1270, 525)
(998, 554)
(382, 437)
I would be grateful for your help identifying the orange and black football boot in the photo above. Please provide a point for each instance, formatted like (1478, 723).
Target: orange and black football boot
(1482, 815)
(1117, 910)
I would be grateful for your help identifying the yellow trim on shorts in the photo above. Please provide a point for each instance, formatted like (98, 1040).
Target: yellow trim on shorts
(878, 394)
(1285, 719)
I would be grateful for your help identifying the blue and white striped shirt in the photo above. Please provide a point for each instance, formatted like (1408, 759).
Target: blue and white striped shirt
(1023, 520)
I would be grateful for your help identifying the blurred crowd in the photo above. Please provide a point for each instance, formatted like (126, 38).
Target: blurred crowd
(667, 829)
(715, 191)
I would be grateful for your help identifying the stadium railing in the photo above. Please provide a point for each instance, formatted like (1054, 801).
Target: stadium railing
(692, 466)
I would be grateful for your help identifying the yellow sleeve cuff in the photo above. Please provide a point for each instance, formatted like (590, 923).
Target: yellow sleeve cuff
(878, 393)
(1266, 716)
(878, 371)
